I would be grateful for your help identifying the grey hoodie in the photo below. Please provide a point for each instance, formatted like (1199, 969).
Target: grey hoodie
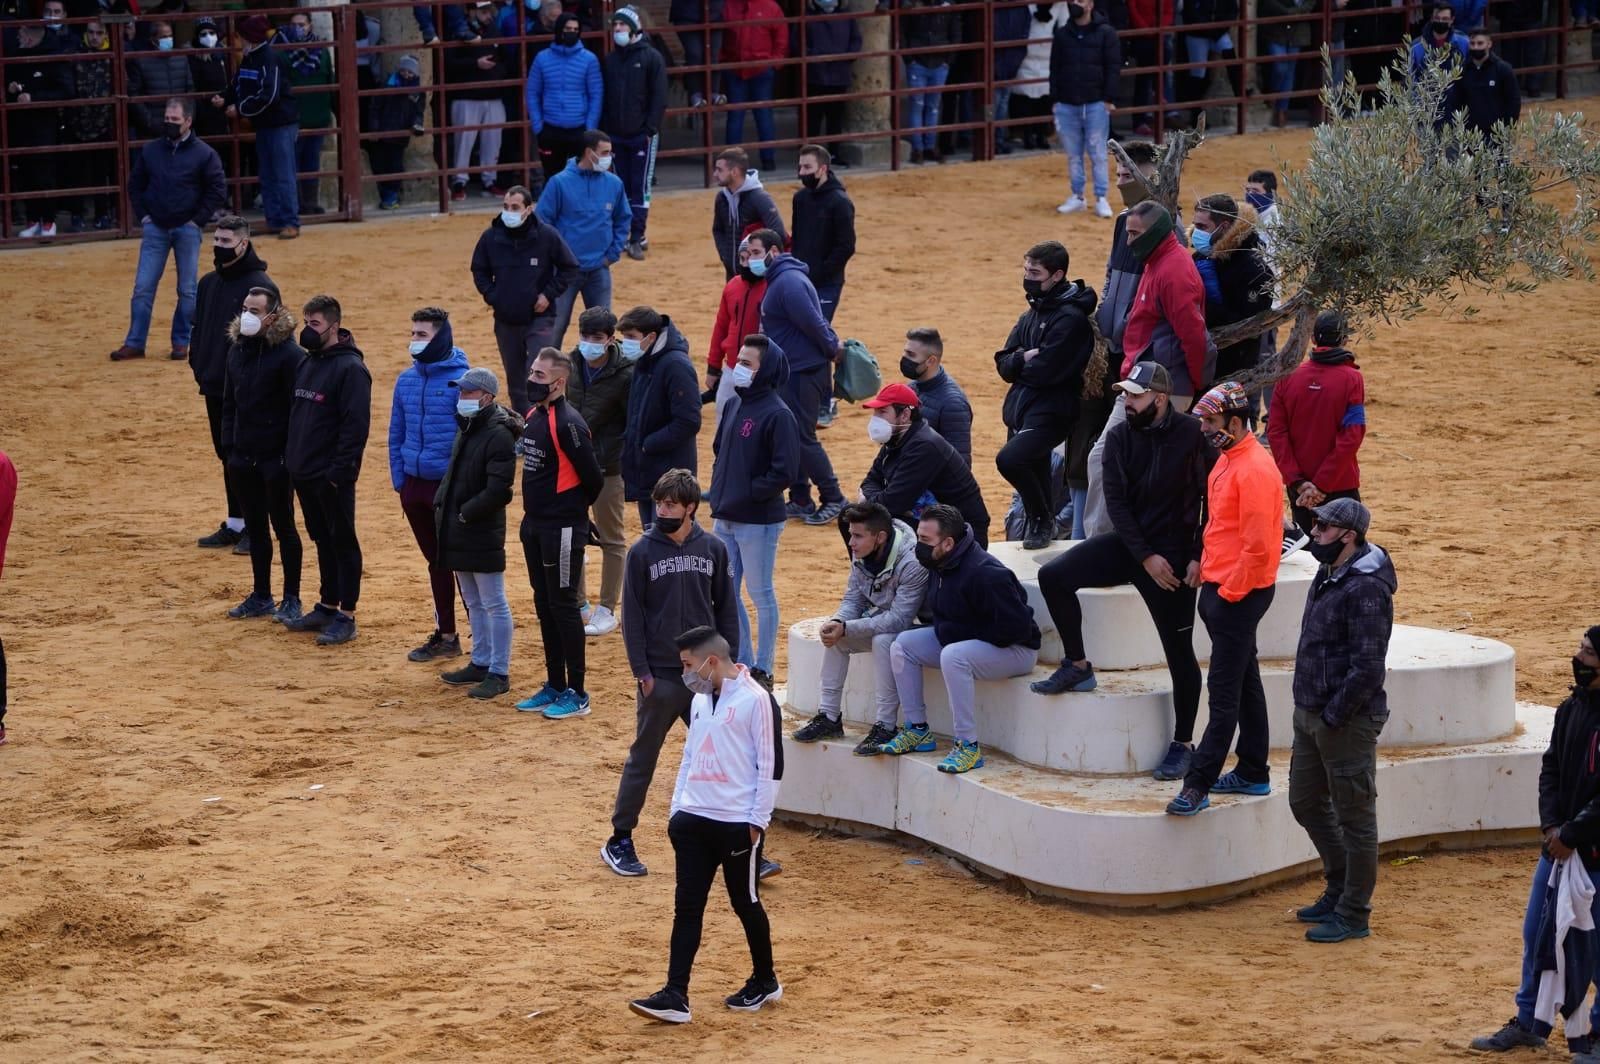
(668, 589)
(891, 600)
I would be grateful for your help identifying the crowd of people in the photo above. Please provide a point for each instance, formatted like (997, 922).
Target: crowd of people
(526, 81)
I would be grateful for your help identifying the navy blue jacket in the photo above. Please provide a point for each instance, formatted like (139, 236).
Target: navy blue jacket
(663, 415)
(512, 268)
(792, 317)
(972, 595)
(838, 37)
(261, 90)
(176, 184)
(1340, 665)
(947, 412)
(756, 449)
(1010, 24)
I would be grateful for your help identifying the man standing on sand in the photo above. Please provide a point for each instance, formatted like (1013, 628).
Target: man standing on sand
(599, 388)
(1317, 423)
(741, 207)
(8, 507)
(721, 806)
(589, 208)
(824, 229)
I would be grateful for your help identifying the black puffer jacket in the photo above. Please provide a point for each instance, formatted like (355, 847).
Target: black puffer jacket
(217, 300)
(601, 398)
(332, 413)
(469, 511)
(824, 230)
(513, 267)
(159, 74)
(1085, 63)
(257, 393)
(1569, 777)
(663, 415)
(1044, 390)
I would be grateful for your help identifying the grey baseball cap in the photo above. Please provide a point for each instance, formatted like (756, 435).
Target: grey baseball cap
(1146, 377)
(478, 379)
(1345, 513)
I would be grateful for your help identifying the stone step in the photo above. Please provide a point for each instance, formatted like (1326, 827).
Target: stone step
(1117, 630)
(1443, 687)
(1108, 840)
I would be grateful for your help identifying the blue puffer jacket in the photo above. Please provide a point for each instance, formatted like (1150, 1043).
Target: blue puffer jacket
(565, 88)
(422, 419)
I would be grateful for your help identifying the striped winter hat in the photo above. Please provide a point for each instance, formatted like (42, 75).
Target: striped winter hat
(1229, 397)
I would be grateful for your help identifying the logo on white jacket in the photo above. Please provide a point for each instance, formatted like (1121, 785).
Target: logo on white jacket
(706, 765)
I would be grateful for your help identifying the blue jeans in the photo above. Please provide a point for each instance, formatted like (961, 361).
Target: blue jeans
(1080, 503)
(308, 160)
(1083, 126)
(184, 242)
(280, 196)
(489, 614)
(595, 285)
(1281, 74)
(1002, 111)
(752, 551)
(750, 90)
(1528, 991)
(924, 106)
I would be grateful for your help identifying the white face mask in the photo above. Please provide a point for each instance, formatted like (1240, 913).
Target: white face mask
(511, 218)
(208, 40)
(879, 430)
(743, 376)
(417, 347)
(249, 324)
(622, 37)
(602, 163)
(468, 407)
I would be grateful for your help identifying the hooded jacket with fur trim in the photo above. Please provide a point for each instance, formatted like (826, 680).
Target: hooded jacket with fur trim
(257, 392)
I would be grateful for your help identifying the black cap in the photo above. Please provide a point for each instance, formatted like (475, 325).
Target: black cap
(1330, 330)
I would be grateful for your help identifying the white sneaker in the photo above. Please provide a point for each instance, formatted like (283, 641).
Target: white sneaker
(33, 230)
(601, 622)
(1102, 207)
(1072, 206)
(586, 611)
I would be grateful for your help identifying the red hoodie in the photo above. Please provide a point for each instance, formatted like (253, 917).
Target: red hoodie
(8, 503)
(738, 316)
(750, 41)
(1318, 420)
(1170, 291)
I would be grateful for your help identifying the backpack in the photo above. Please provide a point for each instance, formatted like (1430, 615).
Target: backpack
(856, 376)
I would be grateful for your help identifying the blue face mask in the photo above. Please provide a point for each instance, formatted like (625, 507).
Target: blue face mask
(758, 267)
(1259, 200)
(417, 347)
(467, 407)
(164, 43)
(591, 351)
(1200, 240)
(512, 219)
(631, 349)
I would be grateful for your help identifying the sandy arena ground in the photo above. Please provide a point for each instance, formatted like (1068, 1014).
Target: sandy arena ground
(441, 899)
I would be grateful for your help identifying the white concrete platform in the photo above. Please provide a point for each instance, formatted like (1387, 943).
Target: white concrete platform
(1443, 687)
(1108, 840)
(1117, 630)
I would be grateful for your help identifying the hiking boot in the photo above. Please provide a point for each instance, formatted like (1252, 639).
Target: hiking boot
(768, 869)
(754, 994)
(1233, 783)
(1176, 764)
(546, 696)
(341, 629)
(910, 739)
(1189, 801)
(1318, 911)
(319, 618)
(797, 511)
(873, 744)
(1036, 535)
(252, 607)
(466, 676)
(600, 622)
(963, 757)
(821, 726)
(762, 677)
(243, 546)
(619, 857)
(492, 685)
(570, 704)
(826, 514)
(438, 646)
(1512, 1036)
(1068, 677)
(288, 610)
(666, 1005)
(1336, 929)
(125, 353)
(222, 537)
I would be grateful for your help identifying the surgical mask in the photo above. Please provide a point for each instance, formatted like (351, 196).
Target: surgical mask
(622, 37)
(631, 349)
(1142, 419)
(249, 324)
(1219, 439)
(743, 376)
(538, 391)
(667, 525)
(1583, 675)
(879, 430)
(1259, 200)
(700, 685)
(512, 219)
(164, 43)
(1326, 553)
(1439, 28)
(811, 180)
(603, 163)
(591, 351)
(467, 407)
(567, 37)
(758, 266)
(910, 369)
(417, 347)
(925, 556)
(826, 6)
(1199, 239)
(310, 339)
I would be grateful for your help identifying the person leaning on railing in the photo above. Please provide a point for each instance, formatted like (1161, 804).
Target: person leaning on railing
(36, 82)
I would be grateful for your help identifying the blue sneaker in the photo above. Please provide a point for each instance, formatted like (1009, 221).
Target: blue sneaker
(1233, 783)
(1068, 677)
(1188, 802)
(547, 696)
(570, 704)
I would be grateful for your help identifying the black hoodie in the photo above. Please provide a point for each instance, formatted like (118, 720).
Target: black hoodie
(514, 267)
(919, 461)
(824, 228)
(332, 413)
(668, 589)
(217, 301)
(1044, 391)
(1569, 776)
(756, 449)
(663, 414)
(257, 393)
(1155, 486)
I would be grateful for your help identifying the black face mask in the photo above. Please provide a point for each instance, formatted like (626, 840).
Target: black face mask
(811, 180)
(1075, 11)
(538, 391)
(668, 525)
(909, 369)
(749, 278)
(1142, 419)
(1440, 29)
(925, 556)
(1326, 553)
(310, 339)
(567, 36)
(173, 130)
(227, 256)
(1583, 675)
(1478, 54)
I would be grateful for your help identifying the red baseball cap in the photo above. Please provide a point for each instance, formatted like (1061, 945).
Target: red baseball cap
(894, 395)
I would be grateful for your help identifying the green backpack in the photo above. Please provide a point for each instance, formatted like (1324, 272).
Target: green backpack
(856, 376)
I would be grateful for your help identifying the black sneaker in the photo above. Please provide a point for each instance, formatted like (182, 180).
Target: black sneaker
(820, 727)
(754, 995)
(491, 686)
(826, 514)
(1175, 766)
(762, 677)
(1318, 911)
(254, 606)
(666, 1005)
(243, 546)
(768, 869)
(798, 511)
(319, 618)
(288, 610)
(465, 676)
(872, 745)
(1512, 1036)
(1068, 677)
(222, 537)
(341, 629)
(1036, 536)
(619, 857)
(437, 646)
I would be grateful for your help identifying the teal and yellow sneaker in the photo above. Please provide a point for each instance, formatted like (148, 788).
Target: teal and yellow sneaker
(570, 704)
(963, 757)
(910, 739)
(547, 696)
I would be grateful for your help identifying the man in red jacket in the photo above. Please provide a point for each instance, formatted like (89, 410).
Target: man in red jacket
(757, 34)
(1167, 323)
(8, 502)
(738, 316)
(1318, 420)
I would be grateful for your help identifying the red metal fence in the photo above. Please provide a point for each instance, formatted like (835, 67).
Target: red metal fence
(46, 173)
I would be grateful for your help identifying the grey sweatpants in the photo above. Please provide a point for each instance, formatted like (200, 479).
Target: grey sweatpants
(963, 665)
(836, 667)
(669, 701)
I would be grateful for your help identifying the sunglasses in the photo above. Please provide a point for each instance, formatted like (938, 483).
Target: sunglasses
(1323, 526)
